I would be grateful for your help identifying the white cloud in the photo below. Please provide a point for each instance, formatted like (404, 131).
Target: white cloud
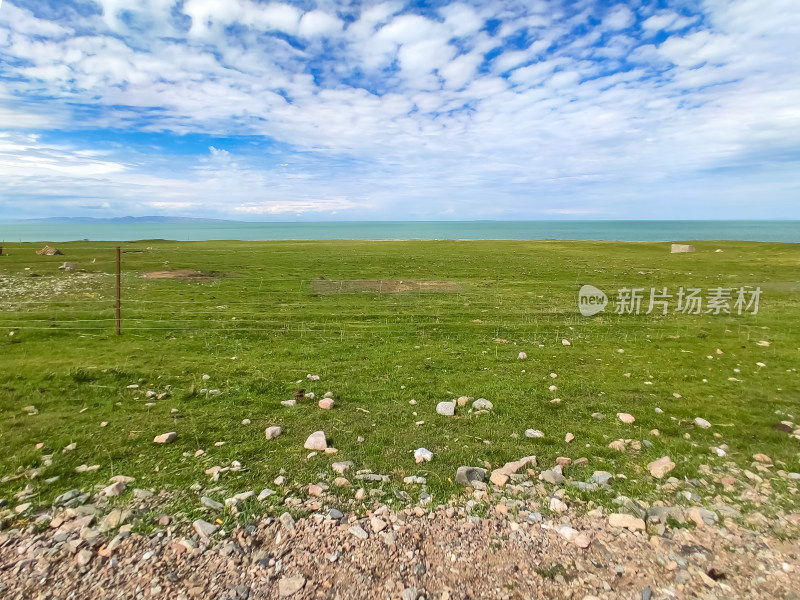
(427, 104)
(619, 17)
(296, 206)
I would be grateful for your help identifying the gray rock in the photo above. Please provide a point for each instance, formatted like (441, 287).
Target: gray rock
(335, 514)
(598, 415)
(66, 497)
(359, 532)
(211, 503)
(468, 475)
(373, 477)
(409, 593)
(583, 486)
(660, 514)
(533, 433)
(287, 521)
(265, 493)
(534, 517)
(482, 404)
(448, 409)
(204, 529)
(632, 507)
(601, 477)
(272, 432)
(551, 476)
(289, 586)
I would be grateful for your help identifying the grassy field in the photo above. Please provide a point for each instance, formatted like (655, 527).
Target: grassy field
(390, 322)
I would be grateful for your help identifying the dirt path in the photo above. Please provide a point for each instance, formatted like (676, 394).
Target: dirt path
(403, 556)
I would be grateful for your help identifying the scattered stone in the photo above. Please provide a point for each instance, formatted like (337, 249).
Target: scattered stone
(122, 479)
(288, 586)
(482, 404)
(522, 356)
(533, 433)
(316, 441)
(625, 418)
(264, 494)
(83, 558)
(623, 520)
(601, 477)
(377, 524)
(618, 445)
(359, 532)
(552, 476)
(204, 529)
(447, 409)
(246, 421)
(115, 489)
(342, 467)
(568, 438)
(662, 466)
(211, 503)
(287, 521)
(702, 423)
(598, 415)
(467, 476)
(272, 432)
(762, 458)
(291, 402)
(409, 593)
(422, 455)
(165, 438)
(326, 403)
(342, 482)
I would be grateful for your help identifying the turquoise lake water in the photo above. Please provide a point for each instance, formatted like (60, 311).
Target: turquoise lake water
(762, 231)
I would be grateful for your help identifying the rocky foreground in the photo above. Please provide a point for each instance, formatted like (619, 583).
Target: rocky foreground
(410, 554)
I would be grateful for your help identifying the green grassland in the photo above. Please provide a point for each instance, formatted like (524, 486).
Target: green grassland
(261, 318)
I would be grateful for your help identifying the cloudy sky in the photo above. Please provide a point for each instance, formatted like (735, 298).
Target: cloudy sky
(317, 110)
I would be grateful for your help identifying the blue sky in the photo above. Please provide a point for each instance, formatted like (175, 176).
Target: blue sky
(317, 110)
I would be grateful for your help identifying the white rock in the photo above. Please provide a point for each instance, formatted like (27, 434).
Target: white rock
(245, 421)
(448, 409)
(316, 441)
(422, 455)
(482, 404)
(522, 356)
(565, 342)
(533, 433)
(625, 417)
(272, 432)
(165, 438)
(702, 423)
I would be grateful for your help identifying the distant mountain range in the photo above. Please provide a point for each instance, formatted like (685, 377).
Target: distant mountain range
(118, 220)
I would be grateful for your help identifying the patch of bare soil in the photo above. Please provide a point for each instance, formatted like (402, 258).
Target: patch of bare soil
(180, 274)
(382, 286)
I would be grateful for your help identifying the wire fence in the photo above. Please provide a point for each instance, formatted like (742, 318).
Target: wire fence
(265, 292)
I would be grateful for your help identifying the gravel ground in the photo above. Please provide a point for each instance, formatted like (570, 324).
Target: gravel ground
(408, 554)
